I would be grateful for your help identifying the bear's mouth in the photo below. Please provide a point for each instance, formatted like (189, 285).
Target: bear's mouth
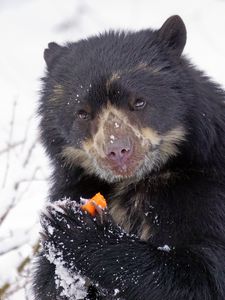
(123, 167)
(134, 168)
(127, 169)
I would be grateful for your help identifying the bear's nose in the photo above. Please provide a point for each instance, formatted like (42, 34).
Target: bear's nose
(119, 150)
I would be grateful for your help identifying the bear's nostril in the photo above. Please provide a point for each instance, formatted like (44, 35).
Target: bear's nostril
(118, 154)
(112, 154)
(123, 151)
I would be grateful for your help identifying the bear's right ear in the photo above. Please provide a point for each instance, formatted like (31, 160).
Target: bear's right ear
(52, 53)
(173, 35)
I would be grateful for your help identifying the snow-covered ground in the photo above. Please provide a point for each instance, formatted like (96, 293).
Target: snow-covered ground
(26, 26)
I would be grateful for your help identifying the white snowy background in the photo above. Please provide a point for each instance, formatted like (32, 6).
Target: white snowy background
(26, 26)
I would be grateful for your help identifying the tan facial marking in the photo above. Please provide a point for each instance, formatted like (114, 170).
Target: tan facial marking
(140, 66)
(87, 145)
(57, 93)
(72, 154)
(116, 120)
(111, 121)
(170, 141)
(145, 67)
(145, 231)
(79, 157)
(115, 76)
(151, 135)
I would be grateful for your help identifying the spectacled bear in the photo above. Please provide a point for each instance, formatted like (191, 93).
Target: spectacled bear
(126, 114)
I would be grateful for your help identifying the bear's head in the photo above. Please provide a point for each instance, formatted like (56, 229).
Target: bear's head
(114, 104)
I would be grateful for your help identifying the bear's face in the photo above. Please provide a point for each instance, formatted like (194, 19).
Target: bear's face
(119, 116)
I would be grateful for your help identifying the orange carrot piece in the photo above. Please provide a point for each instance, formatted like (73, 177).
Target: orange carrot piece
(99, 200)
(89, 207)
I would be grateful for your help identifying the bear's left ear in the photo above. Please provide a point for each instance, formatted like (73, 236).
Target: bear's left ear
(173, 35)
(52, 53)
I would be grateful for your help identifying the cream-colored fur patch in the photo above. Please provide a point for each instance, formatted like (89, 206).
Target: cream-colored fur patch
(118, 120)
(170, 140)
(57, 93)
(74, 156)
(125, 217)
(144, 231)
(151, 135)
(115, 76)
(140, 66)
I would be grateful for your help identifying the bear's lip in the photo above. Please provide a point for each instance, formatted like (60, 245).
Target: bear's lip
(127, 169)
(121, 170)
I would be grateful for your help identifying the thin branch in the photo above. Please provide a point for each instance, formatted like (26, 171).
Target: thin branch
(15, 199)
(27, 130)
(29, 154)
(11, 147)
(9, 208)
(12, 122)
(8, 289)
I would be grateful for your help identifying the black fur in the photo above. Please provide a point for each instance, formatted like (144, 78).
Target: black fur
(182, 200)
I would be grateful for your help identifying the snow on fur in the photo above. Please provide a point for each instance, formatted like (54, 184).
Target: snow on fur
(72, 284)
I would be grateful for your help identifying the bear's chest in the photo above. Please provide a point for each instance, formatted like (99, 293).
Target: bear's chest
(142, 209)
(131, 215)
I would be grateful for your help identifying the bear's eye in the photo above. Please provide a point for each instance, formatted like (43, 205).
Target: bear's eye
(83, 115)
(138, 104)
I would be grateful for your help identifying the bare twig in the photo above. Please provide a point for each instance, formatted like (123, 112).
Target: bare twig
(15, 199)
(27, 130)
(29, 154)
(8, 209)
(12, 122)
(8, 289)
(11, 147)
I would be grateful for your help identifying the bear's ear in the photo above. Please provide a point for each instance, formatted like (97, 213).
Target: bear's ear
(173, 34)
(52, 53)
